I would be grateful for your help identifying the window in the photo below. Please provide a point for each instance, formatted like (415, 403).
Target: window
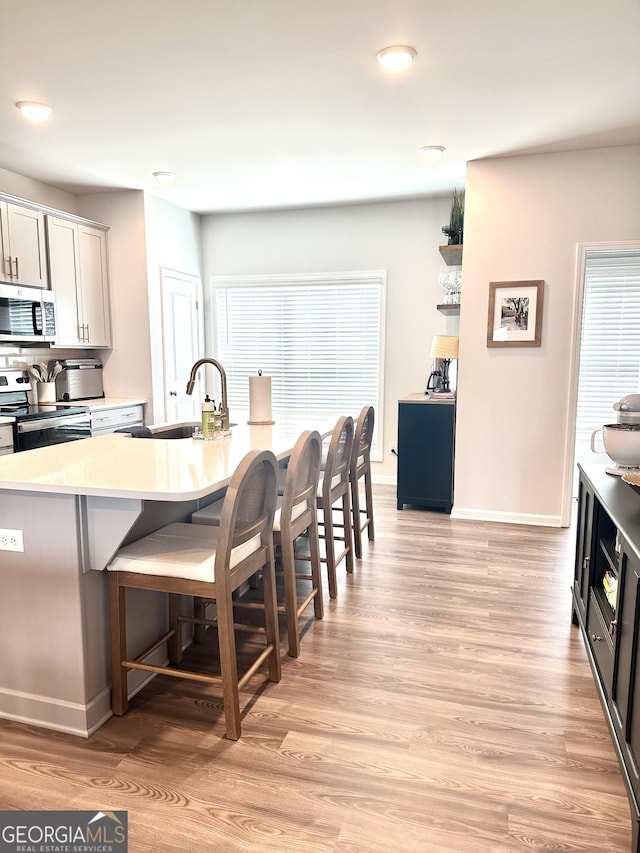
(320, 338)
(610, 345)
(610, 342)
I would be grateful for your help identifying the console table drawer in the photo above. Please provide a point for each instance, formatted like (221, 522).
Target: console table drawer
(600, 642)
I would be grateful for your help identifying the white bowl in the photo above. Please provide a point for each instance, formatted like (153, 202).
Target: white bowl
(621, 443)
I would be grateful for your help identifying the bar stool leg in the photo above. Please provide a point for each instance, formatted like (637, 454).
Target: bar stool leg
(228, 667)
(118, 620)
(369, 504)
(348, 538)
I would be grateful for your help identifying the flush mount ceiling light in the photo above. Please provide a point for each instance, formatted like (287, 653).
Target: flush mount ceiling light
(34, 111)
(165, 179)
(432, 150)
(396, 58)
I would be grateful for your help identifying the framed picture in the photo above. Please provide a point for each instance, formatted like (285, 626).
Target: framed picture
(515, 314)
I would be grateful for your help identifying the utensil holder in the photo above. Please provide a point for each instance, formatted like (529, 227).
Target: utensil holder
(46, 392)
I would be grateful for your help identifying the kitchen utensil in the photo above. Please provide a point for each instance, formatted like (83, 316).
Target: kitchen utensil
(37, 374)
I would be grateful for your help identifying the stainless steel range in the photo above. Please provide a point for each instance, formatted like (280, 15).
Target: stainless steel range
(39, 425)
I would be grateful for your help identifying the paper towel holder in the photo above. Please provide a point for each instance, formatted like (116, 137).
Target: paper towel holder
(260, 400)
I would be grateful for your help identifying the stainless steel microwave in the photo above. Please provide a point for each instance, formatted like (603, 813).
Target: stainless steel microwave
(27, 315)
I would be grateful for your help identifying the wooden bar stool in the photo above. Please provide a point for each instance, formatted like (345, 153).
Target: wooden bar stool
(334, 489)
(361, 469)
(209, 563)
(296, 514)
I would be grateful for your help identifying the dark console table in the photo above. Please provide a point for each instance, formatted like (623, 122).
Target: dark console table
(426, 441)
(606, 606)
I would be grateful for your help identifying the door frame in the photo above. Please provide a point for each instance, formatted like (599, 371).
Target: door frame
(582, 250)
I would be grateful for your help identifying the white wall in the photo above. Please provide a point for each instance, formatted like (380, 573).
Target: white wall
(523, 220)
(127, 367)
(146, 234)
(30, 190)
(401, 237)
(173, 242)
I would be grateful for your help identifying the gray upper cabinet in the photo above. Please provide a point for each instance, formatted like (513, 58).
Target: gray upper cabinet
(23, 258)
(78, 275)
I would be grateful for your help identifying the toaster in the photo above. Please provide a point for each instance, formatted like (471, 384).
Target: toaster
(79, 379)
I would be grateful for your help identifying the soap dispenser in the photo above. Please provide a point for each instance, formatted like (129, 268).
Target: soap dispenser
(208, 416)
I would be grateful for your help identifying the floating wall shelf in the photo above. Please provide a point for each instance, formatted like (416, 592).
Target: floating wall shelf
(452, 255)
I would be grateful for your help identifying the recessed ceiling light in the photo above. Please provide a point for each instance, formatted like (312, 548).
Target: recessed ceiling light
(34, 111)
(165, 179)
(398, 57)
(432, 150)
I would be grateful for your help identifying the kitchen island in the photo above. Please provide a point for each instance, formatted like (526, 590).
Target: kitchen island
(70, 507)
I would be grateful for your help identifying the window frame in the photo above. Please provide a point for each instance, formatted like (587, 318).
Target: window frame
(359, 277)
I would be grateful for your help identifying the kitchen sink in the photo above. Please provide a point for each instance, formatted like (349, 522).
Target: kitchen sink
(184, 430)
(174, 430)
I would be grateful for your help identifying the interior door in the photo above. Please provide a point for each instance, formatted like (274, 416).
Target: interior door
(182, 333)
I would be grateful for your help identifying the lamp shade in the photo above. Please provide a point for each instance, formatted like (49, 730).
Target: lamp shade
(444, 346)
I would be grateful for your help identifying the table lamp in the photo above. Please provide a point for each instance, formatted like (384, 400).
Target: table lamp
(444, 348)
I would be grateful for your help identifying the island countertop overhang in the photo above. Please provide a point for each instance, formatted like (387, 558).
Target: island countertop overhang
(116, 465)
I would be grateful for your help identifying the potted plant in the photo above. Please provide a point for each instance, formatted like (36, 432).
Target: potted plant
(455, 229)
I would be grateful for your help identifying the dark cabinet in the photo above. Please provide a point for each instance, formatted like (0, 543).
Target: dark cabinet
(625, 697)
(426, 442)
(584, 547)
(606, 606)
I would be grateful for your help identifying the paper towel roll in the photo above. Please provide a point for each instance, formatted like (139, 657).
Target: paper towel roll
(260, 400)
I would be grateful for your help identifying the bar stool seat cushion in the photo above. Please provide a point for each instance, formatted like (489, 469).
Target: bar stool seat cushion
(178, 550)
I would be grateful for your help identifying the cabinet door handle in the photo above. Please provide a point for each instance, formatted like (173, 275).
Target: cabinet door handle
(585, 563)
(15, 261)
(7, 264)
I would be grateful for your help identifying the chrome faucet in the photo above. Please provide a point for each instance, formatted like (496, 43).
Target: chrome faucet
(224, 408)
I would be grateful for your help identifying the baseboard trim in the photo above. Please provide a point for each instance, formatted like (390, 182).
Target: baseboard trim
(502, 517)
(59, 715)
(384, 479)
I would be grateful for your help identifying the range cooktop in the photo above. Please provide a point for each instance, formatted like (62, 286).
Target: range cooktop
(26, 411)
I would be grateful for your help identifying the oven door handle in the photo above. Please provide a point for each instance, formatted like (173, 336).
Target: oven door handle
(51, 423)
(35, 306)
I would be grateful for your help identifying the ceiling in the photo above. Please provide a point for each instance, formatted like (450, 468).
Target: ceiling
(259, 104)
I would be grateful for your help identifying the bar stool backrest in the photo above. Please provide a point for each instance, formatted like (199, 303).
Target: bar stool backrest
(336, 472)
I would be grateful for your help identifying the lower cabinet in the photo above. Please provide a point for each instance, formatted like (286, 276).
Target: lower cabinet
(606, 606)
(625, 694)
(6, 439)
(426, 438)
(104, 420)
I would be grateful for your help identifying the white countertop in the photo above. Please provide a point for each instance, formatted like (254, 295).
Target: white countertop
(117, 465)
(421, 397)
(5, 420)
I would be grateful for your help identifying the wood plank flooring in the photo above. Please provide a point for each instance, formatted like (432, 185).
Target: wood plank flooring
(444, 704)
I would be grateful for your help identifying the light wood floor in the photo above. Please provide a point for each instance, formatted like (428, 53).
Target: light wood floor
(444, 704)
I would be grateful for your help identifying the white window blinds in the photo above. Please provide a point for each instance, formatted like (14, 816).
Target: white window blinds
(320, 338)
(610, 344)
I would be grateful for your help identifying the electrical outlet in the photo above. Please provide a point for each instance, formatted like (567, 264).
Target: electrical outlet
(11, 540)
